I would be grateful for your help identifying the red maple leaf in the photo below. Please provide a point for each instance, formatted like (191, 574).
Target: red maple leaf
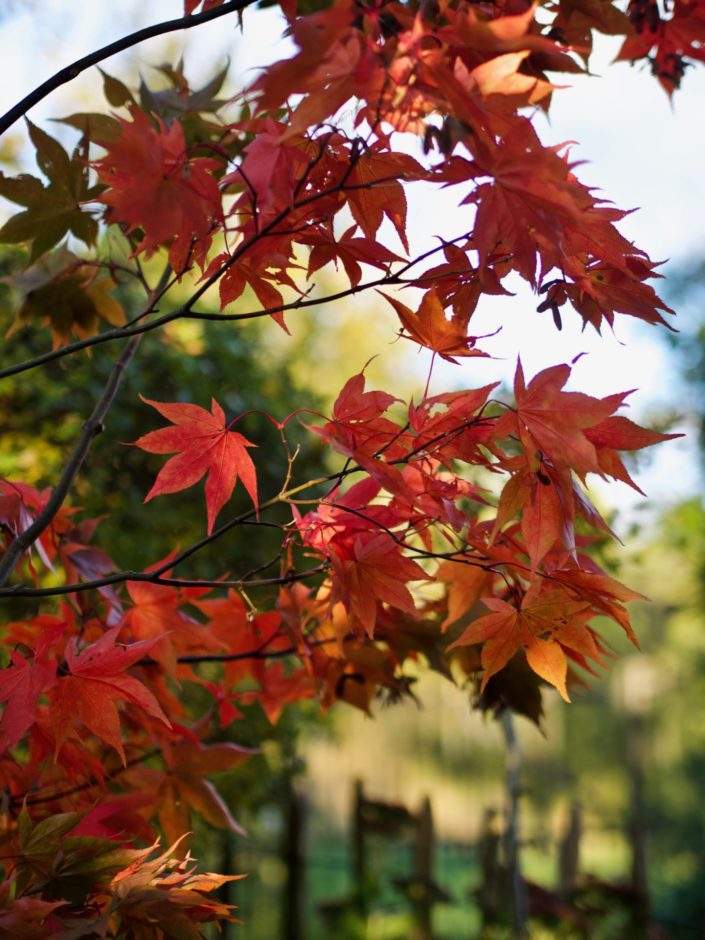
(358, 426)
(351, 251)
(153, 185)
(182, 790)
(203, 444)
(325, 71)
(549, 421)
(668, 43)
(156, 614)
(538, 210)
(376, 571)
(619, 433)
(23, 681)
(95, 681)
(279, 687)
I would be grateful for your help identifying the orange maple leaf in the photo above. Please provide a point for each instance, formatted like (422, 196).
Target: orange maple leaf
(203, 444)
(546, 500)
(466, 582)
(165, 890)
(546, 621)
(375, 190)
(430, 327)
(606, 595)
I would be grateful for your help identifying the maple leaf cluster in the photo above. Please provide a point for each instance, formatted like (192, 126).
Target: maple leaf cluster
(127, 891)
(670, 38)
(454, 529)
(87, 690)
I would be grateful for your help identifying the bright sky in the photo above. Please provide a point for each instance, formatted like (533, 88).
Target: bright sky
(643, 151)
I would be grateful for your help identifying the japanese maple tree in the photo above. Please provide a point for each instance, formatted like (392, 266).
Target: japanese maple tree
(452, 529)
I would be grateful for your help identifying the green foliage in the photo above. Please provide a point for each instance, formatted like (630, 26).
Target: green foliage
(42, 417)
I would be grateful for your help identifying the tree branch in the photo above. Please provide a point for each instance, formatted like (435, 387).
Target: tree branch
(20, 798)
(92, 427)
(185, 312)
(259, 653)
(156, 575)
(150, 577)
(194, 658)
(69, 72)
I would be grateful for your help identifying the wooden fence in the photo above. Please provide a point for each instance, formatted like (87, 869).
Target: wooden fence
(375, 824)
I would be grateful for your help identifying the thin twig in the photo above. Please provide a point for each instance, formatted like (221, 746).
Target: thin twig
(156, 576)
(20, 798)
(259, 653)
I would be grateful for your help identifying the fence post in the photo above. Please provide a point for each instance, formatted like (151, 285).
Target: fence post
(569, 851)
(423, 905)
(295, 860)
(359, 859)
(511, 835)
(638, 823)
(228, 866)
(489, 893)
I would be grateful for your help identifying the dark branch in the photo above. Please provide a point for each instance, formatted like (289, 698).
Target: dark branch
(156, 576)
(92, 427)
(186, 312)
(259, 653)
(20, 798)
(151, 577)
(69, 72)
